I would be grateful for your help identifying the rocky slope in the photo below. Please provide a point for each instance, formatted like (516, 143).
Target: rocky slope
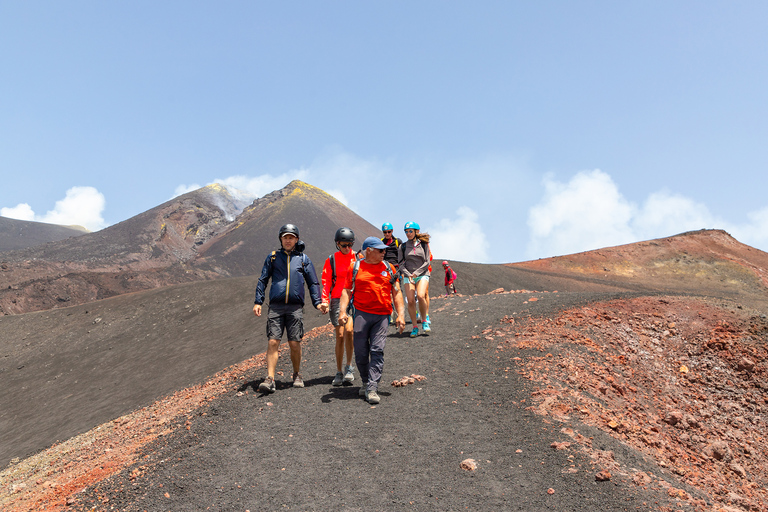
(201, 235)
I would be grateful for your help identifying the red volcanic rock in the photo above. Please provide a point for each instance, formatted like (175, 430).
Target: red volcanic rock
(719, 450)
(603, 476)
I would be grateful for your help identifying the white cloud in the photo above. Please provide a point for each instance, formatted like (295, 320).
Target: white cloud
(81, 206)
(589, 212)
(586, 213)
(21, 211)
(461, 238)
(665, 214)
(755, 232)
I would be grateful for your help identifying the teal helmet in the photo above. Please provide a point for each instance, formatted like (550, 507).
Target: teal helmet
(411, 225)
(387, 226)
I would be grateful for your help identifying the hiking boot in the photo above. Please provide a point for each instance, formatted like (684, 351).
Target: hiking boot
(349, 373)
(338, 379)
(373, 397)
(415, 332)
(298, 382)
(268, 386)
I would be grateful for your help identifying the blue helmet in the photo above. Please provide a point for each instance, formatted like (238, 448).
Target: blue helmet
(387, 226)
(411, 225)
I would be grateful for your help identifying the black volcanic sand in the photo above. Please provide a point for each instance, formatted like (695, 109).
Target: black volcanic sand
(67, 370)
(324, 448)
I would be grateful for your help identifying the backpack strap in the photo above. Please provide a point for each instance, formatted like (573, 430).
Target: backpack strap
(333, 271)
(355, 269)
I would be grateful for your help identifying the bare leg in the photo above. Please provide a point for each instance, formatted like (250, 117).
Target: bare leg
(272, 353)
(295, 355)
(340, 342)
(410, 292)
(422, 289)
(349, 334)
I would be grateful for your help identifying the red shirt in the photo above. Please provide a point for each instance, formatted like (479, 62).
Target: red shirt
(342, 267)
(373, 292)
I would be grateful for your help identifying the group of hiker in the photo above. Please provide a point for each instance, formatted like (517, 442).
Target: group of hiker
(363, 293)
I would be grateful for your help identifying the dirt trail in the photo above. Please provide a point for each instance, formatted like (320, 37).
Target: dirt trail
(499, 390)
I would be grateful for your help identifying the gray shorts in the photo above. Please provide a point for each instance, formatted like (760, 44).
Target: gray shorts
(333, 311)
(285, 317)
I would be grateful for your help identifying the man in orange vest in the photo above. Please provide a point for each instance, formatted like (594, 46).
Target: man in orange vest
(373, 286)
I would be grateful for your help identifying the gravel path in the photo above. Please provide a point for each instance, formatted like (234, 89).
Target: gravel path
(324, 448)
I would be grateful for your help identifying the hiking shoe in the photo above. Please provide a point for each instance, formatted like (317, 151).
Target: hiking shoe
(373, 397)
(349, 373)
(415, 332)
(338, 379)
(427, 326)
(298, 382)
(428, 320)
(268, 386)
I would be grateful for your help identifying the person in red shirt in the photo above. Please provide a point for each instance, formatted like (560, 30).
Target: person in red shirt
(450, 277)
(373, 286)
(333, 277)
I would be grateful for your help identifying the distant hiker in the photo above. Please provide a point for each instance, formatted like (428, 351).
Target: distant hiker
(333, 277)
(289, 268)
(371, 284)
(450, 277)
(391, 255)
(414, 260)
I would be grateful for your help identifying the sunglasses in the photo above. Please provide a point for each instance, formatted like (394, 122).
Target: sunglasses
(410, 231)
(345, 245)
(387, 232)
(381, 250)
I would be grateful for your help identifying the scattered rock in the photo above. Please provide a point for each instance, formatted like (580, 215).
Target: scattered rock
(408, 380)
(469, 464)
(719, 450)
(603, 476)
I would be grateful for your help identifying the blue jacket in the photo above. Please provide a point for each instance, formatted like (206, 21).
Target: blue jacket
(288, 276)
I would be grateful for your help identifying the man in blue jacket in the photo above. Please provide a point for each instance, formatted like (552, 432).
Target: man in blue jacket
(289, 268)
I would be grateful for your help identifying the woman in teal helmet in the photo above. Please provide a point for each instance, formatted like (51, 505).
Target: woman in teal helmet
(414, 258)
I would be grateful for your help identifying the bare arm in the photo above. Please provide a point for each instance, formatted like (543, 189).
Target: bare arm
(343, 305)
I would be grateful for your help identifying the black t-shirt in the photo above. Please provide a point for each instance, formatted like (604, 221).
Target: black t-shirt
(390, 254)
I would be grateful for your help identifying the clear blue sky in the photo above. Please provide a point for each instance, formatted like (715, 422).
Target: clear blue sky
(508, 130)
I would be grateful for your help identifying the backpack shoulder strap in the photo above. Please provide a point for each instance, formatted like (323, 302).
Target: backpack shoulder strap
(391, 270)
(332, 261)
(355, 269)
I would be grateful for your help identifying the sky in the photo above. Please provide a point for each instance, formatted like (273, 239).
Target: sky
(507, 130)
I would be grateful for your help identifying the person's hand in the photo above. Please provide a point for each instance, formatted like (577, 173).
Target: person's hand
(343, 318)
(400, 323)
(257, 309)
(323, 307)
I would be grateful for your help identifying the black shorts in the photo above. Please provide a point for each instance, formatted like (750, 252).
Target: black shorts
(285, 317)
(335, 309)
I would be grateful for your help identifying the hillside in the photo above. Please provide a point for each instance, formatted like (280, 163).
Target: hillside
(22, 234)
(202, 235)
(628, 378)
